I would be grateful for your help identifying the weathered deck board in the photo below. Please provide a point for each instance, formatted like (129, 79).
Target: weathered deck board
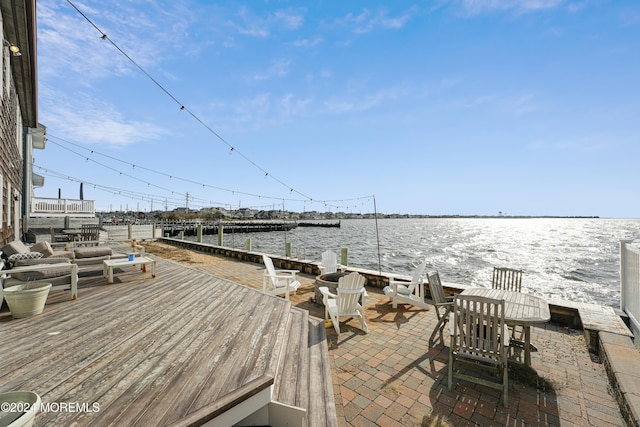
(322, 408)
(292, 368)
(149, 351)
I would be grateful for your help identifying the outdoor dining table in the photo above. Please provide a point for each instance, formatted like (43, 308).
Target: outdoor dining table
(519, 309)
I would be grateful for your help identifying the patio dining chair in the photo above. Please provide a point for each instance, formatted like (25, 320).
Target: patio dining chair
(509, 279)
(441, 302)
(479, 342)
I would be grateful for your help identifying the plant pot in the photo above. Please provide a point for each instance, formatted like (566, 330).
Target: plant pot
(28, 299)
(22, 407)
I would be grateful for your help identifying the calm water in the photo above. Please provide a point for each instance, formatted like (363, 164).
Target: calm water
(572, 259)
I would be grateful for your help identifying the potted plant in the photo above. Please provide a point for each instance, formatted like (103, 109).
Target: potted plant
(27, 299)
(19, 408)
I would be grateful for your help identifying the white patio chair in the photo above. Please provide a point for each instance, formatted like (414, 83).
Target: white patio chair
(479, 339)
(329, 263)
(349, 301)
(408, 292)
(278, 282)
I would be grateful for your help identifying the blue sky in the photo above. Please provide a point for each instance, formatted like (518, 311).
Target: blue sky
(525, 107)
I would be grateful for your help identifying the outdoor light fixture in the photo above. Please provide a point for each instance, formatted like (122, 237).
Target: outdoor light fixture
(15, 50)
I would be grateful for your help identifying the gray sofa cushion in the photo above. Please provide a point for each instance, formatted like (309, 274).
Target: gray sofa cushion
(39, 274)
(55, 281)
(39, 261)
(93, 252)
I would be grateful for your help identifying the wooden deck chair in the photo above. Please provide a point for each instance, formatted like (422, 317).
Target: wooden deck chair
(329, 263)
(90, 232)
(511, 280)
(408, 292)
(349, 301)
(479, 340)
(506, 278)
(441, 302)
(278, 282)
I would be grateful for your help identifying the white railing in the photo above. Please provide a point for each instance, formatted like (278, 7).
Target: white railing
(630, 283)
(41, 206)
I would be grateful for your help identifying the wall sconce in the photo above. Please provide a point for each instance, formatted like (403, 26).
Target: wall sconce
(15, 50)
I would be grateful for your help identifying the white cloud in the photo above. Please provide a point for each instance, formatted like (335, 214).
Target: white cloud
(475, 7)
(263, 26)
(368, 21)
(308, 42)
(86, 120)
(275, 69)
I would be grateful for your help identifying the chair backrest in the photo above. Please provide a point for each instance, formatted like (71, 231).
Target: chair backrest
(350, 290)
(478, 326)
(271, 270)
(417, 275)
(435, 286)
(329, 262)
(89, 232)
(506, 278)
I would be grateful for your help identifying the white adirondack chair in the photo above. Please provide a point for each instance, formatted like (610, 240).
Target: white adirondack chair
(346, 303)
(278, 282)
(329, 263)
(408, 292)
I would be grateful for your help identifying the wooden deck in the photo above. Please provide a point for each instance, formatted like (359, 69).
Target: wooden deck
(179, 348)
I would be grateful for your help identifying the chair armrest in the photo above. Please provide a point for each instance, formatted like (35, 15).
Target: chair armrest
(280, 276)
(287, 274)
(325, 291)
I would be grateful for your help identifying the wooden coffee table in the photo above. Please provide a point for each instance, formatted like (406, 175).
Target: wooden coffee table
(142, 261)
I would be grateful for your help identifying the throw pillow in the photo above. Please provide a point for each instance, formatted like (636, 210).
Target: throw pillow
(44, 248)
(27, 255)
(15, 247)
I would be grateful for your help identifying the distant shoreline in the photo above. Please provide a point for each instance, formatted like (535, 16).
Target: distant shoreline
(400, 216)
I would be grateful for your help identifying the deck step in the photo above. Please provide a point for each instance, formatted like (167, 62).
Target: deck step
(598, 318)
(304, 373)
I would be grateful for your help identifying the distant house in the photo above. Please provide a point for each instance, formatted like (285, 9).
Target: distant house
(18, 110)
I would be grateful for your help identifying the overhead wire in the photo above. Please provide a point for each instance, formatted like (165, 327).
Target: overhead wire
(104, 36)
(170, 176)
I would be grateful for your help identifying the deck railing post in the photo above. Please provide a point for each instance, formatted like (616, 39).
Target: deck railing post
(220, 235)
(287, 249)
(344, 256)
(623, 273)
(247, 245)
(199, 233)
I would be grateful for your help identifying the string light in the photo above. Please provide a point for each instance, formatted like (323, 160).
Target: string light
(183, 107)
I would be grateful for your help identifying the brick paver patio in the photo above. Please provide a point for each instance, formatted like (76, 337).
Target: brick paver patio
(396, 375)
